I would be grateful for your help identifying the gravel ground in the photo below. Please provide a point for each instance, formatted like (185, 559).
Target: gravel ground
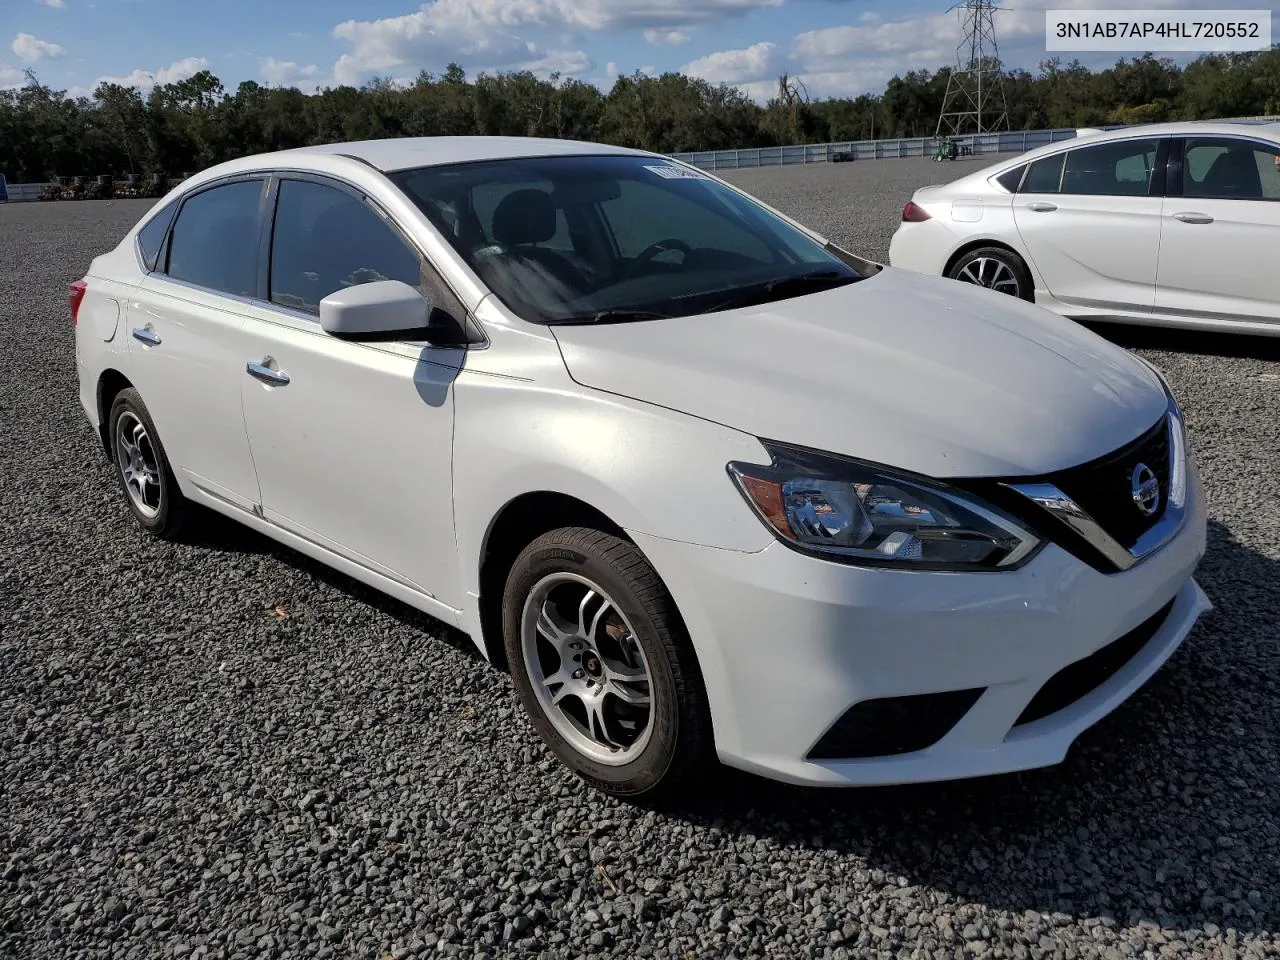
(224, 750)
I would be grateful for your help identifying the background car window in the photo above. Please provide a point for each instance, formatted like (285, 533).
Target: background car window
(325, 239)
(1121, 169)
(1227, 169)
(215, 239)
(1044, 175)
(643, 214)
(151, 237)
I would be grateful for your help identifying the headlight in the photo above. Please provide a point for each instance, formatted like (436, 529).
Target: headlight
(866, 514)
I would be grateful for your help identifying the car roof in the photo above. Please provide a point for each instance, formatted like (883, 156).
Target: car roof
(402, 153)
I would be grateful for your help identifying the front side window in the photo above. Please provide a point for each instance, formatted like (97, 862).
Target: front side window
(325, 239)
(1223, 168)
(1121, 169)
(215, 239)
(613, 238)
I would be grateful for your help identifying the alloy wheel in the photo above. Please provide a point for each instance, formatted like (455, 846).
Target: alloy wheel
(136, 458)
(587, 668)
(990, 273)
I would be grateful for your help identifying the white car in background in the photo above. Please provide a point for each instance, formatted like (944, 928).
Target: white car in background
(710, 486)
(1168, 224)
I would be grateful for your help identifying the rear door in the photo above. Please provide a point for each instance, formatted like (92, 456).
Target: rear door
(1221, 230)
(1089, 218)
(186, 335)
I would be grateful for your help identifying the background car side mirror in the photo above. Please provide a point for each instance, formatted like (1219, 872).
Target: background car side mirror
(381, 310)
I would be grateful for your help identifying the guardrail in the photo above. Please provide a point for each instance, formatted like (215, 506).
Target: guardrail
(19, 192)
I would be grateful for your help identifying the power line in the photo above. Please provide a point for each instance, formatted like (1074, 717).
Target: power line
(975, 101)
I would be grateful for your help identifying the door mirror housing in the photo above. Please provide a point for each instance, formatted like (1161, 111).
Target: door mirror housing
(381, 310)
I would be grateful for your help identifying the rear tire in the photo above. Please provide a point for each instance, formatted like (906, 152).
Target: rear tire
(593, 597)
(142, 469)
(996, 269)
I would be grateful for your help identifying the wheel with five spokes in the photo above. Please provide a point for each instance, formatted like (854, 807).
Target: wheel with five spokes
(143, 469)
(603, 666)
(996, 269)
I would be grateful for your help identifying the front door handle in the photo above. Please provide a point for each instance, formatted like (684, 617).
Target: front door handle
(264, 373)
(146, 335)
(1042, 206)
(1193, 217)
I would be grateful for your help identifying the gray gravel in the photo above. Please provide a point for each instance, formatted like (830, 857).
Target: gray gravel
(224, 750)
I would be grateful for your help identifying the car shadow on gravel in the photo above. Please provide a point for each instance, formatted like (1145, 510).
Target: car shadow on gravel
(1162, 812)
(1233, 345)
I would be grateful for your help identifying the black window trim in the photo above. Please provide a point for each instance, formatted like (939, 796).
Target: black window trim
(1179, 150)
(476, 336)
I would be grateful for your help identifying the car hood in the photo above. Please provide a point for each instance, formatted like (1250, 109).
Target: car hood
(917, 372)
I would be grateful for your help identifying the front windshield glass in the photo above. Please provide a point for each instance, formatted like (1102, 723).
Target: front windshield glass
(616, 238)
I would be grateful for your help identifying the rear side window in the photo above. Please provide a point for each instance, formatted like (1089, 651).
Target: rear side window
(151, 237)
(325, 239)
(1011, 178)
(215, 239)
(1111, 169)
(1044, 175)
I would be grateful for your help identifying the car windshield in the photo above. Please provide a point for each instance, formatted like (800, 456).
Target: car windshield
(616, 238)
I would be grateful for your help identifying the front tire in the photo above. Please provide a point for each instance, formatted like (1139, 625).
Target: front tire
(996, 269)
(603, 666)
(143, 470)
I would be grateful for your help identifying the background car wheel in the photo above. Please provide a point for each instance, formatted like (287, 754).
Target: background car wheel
(603, 666)
(143, 469)
(996, 269)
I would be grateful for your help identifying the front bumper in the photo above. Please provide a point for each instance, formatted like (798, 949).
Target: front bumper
(789, 643)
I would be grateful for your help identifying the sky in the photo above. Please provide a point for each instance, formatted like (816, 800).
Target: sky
(836, 47)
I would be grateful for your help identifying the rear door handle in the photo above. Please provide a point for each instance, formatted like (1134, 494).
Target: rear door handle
(146, 335)
(264, 373)
(1193, 217)
(1042, 206)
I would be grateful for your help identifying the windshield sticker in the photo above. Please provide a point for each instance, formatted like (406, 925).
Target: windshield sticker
(676, 173)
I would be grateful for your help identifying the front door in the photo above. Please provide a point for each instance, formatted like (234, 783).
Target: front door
(352, 441)
(1217, 249)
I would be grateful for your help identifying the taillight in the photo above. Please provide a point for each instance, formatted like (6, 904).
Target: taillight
(74, 296)
(913, 213)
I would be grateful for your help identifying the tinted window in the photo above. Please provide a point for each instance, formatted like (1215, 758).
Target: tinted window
(151, 237)
(1044, 176)
(643, 214)
(1227, 169)
(1111, 169)
(616, 238)
(325, 239)
(215, 239)
(1011, 178)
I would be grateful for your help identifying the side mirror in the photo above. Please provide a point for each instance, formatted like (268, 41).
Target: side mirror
(382, 310)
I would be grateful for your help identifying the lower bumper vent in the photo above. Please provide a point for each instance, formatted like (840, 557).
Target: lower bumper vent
(892, 725)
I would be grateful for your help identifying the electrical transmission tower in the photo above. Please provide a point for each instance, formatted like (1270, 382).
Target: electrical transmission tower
(974, 101)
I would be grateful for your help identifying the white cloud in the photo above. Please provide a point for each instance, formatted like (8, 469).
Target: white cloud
(10, 77)
(737, 66)
(146, 79)
(666, 36)
(286, 73)
(485, 34)
(56, 4)
(611, 69)
(567, 63)
(648, 71)
(29, 48)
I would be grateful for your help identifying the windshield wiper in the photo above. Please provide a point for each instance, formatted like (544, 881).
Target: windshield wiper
(783, 286)
(614, 316)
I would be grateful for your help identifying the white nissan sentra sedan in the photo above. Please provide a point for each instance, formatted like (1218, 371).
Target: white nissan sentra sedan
(709, 486)
(1168, 224)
